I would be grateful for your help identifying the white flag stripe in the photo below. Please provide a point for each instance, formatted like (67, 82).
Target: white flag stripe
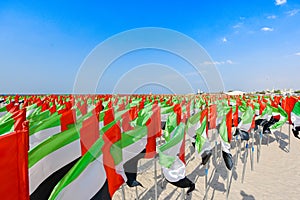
(42, 135)
(87, 184)
(53, 162)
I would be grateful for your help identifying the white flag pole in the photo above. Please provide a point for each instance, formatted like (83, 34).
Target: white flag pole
(236, 150)
(136, 193)
(259, 148)
(252, 150)
(182, 194)
(206, 180)
(245, 162)
(123, 192)
(162, 179)
(155, 178)
(216, 145)
(279, 137)
(227, 191)
(289, 137)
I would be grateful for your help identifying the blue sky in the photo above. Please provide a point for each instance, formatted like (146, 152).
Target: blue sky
(255, 44)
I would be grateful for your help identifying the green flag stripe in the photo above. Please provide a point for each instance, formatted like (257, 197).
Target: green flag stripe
(93, 153)
(52, 144)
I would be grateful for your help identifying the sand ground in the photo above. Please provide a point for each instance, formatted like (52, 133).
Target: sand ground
(276, 176)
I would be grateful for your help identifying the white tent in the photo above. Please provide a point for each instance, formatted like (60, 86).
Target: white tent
(235, 93)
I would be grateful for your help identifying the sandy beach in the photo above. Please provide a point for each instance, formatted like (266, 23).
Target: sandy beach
(276, 176)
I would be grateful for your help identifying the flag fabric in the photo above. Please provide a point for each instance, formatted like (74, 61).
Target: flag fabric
(295, 115)
(288, 104)
(14, 122)
(173, 120)
(122, 151)
(202, 143)
(86, 147)
(295, 119)
(14, 165)
(172, 166)
(50, 160)
(115, 180)
(139, 142)
(53, 158)
(246, 120)
(283, 117)
(225, 143)
(86, 180)
(212, 116)
(169, 151)
(43, 127)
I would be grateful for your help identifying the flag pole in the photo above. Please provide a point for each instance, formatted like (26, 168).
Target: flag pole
(227, 191)
(259, 148)
(162, 179)
(206, 181)
(252, 150)
(182, 194)
(155, 178)
(279, 137)
(237, 150)
(289, 138)
(227, 180)
(123, 192)
(136, 193)
(245, 162)
(216, 145)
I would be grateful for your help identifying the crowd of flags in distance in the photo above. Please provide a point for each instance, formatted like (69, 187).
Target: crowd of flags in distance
(88, 146)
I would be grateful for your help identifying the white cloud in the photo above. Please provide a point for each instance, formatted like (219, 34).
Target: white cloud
(230, 62)
(266, 29)
(224, 39)
(211, 63)
(292, 12)
(297, 54)
(238, 25)
(280, 2)
(272, 17)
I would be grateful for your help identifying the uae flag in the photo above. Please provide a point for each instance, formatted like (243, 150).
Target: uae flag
(14, 122)
(266, 113)
(53, 158)
(288, 104)
(197, 131)
(166, 110)
(295, 118)
(246, 119)
(246, 123)
(193, 123)
(46, 127)
(212, 116)
(173, 121)
(174, 167)
(14, 164)
(138, 143)
(7, 110)
(226, 144)
(105, 179)
(86, 180)
(283, 117)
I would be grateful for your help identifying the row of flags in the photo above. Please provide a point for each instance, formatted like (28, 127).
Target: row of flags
(88, 146)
